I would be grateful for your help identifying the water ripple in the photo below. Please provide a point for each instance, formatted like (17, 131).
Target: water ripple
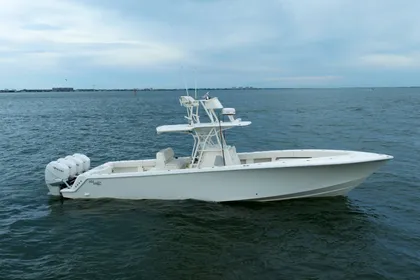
(371, 234)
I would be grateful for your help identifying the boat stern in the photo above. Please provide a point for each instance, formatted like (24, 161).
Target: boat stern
(62, 173)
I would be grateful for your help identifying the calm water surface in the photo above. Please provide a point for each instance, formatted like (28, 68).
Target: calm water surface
(373, 233)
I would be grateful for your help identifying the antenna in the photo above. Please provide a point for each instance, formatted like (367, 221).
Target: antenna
(222, 138)
(183, 78)
(195, 82)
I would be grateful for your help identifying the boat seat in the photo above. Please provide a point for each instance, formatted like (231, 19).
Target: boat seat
(176, 163)
(164, 156)
(165, 160)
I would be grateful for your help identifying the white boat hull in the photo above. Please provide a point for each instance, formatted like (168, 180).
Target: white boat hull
(214, 171)
(253, 182)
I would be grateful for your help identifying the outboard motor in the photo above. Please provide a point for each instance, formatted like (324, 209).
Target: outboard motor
(71, 164)
(61, 173)
(85, 160)
(78, 162)
(56, 173)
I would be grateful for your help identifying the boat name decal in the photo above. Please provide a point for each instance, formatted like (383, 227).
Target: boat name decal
(98, 183)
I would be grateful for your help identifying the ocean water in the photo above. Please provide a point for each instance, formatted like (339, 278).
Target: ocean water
(373, 233)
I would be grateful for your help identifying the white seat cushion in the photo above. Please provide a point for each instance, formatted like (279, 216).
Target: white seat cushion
(176, 163)
(163, 157)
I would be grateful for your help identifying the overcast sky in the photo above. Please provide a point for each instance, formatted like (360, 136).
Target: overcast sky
(263, 43)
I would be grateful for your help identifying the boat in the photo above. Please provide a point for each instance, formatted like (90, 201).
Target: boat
(214, 171)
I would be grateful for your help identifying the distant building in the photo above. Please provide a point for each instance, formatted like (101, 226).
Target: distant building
(67, 89)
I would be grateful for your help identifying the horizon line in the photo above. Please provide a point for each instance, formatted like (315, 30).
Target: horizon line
(70, 89)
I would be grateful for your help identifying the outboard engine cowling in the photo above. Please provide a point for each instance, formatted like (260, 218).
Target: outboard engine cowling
(78, 162)
(71, 164)
(55, 174)
(85, 160)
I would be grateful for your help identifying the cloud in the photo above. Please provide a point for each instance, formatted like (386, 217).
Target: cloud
(391, 61)
(237, 42)
(305, 78)
(47, 31)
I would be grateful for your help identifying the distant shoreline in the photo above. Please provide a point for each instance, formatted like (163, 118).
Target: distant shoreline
(120, 89)
(190, 89)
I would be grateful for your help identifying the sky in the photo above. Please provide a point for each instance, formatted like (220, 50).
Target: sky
(213, 43)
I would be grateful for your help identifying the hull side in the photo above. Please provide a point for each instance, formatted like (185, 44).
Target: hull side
(336, 190)
(233, 185)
